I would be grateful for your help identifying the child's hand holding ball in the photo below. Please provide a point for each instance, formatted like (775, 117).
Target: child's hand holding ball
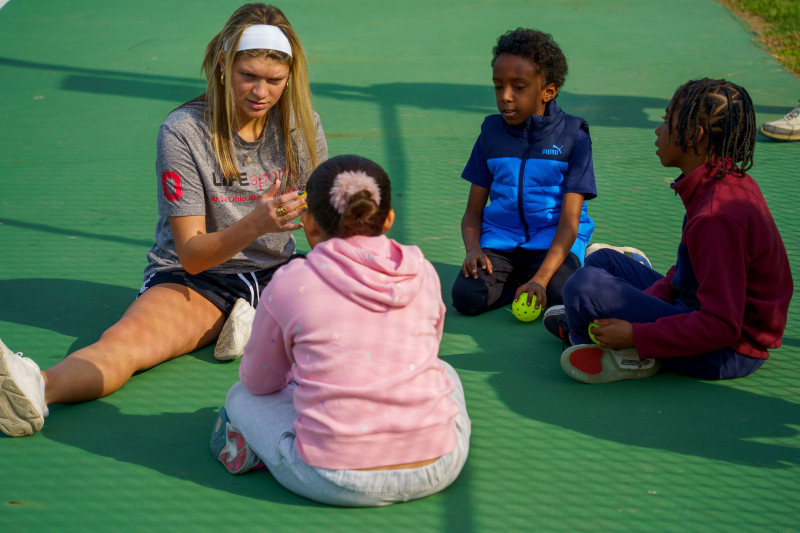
(523, 311)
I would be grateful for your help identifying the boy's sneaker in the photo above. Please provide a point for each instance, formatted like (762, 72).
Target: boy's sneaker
(22, 406)
(235, 332)
(783, 129)
(630, 251)
(229, 448)
(555, 321)
(591, 363)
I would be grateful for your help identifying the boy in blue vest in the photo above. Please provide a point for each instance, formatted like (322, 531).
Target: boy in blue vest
(534, 162)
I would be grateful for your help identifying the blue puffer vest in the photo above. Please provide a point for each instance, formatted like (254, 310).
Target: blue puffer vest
(528, 163)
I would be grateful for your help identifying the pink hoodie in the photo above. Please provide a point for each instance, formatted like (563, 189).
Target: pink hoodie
(357, 325)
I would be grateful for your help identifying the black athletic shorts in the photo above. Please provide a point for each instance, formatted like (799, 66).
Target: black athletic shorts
(220, 289)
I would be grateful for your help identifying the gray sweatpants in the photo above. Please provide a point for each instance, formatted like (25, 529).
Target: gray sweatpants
(267, 425)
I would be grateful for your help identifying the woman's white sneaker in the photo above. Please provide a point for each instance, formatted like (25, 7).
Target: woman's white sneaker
(22, 406)
(235, 332)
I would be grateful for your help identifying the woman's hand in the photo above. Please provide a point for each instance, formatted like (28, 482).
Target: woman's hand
(275, 214)
(199, 250)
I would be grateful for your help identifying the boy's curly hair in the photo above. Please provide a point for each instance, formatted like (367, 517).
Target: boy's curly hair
(725, 111)
(537, 46)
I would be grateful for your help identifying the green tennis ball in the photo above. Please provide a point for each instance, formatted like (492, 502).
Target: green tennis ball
(593, 325)
(523, 311)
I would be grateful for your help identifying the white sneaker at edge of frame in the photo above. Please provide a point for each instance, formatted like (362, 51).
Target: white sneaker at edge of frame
(22, 406)
(783, 129)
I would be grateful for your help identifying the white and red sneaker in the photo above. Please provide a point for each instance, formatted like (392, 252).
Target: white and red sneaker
(591, 363)
(229, 447)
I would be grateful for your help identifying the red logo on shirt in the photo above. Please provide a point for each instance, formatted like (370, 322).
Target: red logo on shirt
(173, 189)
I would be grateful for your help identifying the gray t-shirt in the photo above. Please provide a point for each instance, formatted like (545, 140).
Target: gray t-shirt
(190, 182)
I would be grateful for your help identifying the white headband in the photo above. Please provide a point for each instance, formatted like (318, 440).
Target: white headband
(264, 37)
(347, 183)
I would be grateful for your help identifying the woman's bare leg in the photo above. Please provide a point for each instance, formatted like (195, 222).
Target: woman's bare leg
(166, 321)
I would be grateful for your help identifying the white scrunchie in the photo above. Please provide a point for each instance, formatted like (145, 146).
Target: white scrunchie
(349, 182)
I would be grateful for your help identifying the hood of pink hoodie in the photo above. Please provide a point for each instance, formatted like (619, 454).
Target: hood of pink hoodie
(378, 273)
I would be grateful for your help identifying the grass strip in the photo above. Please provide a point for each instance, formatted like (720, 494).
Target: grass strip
(777, 23)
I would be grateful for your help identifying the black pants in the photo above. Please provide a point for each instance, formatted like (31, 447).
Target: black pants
(509, 270)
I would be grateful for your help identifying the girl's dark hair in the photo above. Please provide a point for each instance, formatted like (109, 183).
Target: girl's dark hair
(538, 47)
(725, 111)
(362, 215)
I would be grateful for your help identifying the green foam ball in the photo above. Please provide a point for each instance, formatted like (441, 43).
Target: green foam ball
(523, 311)
(592, 325)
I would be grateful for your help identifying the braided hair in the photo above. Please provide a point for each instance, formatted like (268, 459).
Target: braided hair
(725, 111)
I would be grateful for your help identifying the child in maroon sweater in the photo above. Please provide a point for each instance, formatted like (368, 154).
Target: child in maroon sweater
(725, 301)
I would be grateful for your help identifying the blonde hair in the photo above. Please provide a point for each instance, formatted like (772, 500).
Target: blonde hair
(294, 106)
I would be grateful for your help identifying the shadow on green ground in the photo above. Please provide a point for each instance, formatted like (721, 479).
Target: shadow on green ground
(170, 443)
(599, 109)
(80, 309)
(173, 444)
(54, 230)
(669, 412)
(664, 412)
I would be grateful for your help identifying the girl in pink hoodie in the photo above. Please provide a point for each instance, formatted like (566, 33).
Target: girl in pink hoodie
(342, 395)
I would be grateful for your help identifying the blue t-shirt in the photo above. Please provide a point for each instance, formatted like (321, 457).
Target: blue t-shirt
(527, 169)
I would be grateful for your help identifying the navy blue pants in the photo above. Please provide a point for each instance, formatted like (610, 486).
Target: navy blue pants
(611, 285)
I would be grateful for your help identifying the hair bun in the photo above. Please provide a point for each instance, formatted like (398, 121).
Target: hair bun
(349, 182)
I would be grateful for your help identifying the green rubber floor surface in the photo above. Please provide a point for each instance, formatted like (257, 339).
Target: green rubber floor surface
(85, 85)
